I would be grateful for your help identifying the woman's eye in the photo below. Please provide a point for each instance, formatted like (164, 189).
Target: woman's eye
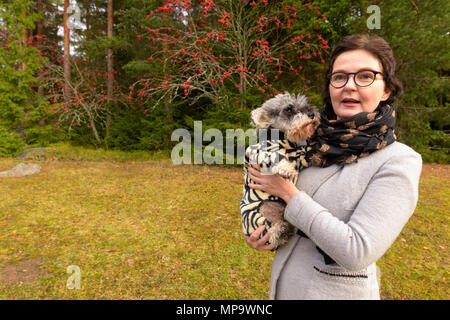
(365, 76)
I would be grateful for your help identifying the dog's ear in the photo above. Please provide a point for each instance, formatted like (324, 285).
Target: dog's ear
(260, 119)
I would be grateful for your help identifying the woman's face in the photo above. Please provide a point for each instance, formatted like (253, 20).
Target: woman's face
(352, 99)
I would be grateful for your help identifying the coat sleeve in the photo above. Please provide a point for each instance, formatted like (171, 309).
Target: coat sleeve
(385, 207)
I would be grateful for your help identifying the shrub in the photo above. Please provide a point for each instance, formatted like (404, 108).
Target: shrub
(11, 143)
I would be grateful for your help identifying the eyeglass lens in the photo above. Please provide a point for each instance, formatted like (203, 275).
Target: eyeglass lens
(362, 78)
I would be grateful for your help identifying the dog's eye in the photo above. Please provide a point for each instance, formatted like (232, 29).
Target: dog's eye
(289, 109)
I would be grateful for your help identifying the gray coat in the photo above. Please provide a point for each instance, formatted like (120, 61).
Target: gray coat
(353, 213)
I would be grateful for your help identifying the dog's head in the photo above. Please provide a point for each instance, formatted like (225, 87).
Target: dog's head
(291, 114)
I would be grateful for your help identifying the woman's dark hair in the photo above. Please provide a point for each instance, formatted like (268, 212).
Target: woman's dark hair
(381, 50)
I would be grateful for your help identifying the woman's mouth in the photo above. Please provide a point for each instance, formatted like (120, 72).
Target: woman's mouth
(349, 102)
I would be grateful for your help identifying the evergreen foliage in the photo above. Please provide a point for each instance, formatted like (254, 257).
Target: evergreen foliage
(19, 61)
(11, 143)
(31, 51)
(418, 34)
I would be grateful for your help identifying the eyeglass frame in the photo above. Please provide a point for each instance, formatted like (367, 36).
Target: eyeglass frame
(354, 77)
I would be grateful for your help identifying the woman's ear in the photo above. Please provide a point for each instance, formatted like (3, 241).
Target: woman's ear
(386, 94)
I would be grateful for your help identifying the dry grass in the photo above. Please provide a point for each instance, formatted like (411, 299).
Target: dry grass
(417, 264)
(153, 230)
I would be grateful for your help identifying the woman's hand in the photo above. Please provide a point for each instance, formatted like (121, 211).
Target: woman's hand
(271, 183)
(259, 244)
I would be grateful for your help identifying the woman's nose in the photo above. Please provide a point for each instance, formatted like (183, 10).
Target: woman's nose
(351, 82)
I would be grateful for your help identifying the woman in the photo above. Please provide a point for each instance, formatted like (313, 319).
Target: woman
(353, 203)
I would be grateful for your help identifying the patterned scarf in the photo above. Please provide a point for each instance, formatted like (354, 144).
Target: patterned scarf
(344, 141)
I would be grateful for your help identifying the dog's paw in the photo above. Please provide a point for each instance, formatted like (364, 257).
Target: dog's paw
(286, 169)
(287, 173)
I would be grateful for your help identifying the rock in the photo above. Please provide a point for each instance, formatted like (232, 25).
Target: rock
(21, 170)
(34, 153)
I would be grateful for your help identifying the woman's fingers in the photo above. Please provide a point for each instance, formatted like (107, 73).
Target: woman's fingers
(253, 172)
(255, 166)
(259, 244)
(262, 242)
(255, 169)
(255, 235)
(255, 176)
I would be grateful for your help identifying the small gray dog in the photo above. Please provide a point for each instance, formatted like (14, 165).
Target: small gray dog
(296, 120)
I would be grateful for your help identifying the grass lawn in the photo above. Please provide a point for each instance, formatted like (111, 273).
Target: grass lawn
(153, 230)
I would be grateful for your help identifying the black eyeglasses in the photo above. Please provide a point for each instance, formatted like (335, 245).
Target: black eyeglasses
(362, 78)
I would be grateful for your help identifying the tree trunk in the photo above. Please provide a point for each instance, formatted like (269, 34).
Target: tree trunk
(21, 67)
(39, 32)
(110, 68)
(66, 53)
(88, 26)
(23, 41)
(167, 106)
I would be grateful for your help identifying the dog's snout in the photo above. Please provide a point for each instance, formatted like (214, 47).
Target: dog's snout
(311, 114)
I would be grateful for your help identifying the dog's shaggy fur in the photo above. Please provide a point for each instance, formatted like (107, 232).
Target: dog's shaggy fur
(297, 120)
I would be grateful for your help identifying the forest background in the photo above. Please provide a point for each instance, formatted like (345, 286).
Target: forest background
(125, 74)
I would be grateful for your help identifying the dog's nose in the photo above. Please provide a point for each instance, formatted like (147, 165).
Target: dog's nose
(311, 114)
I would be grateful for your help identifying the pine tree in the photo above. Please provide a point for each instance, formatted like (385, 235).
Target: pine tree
(19, 62)
(110, 67)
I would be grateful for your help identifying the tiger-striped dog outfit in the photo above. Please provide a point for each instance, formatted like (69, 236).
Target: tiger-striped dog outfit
(267, 155)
